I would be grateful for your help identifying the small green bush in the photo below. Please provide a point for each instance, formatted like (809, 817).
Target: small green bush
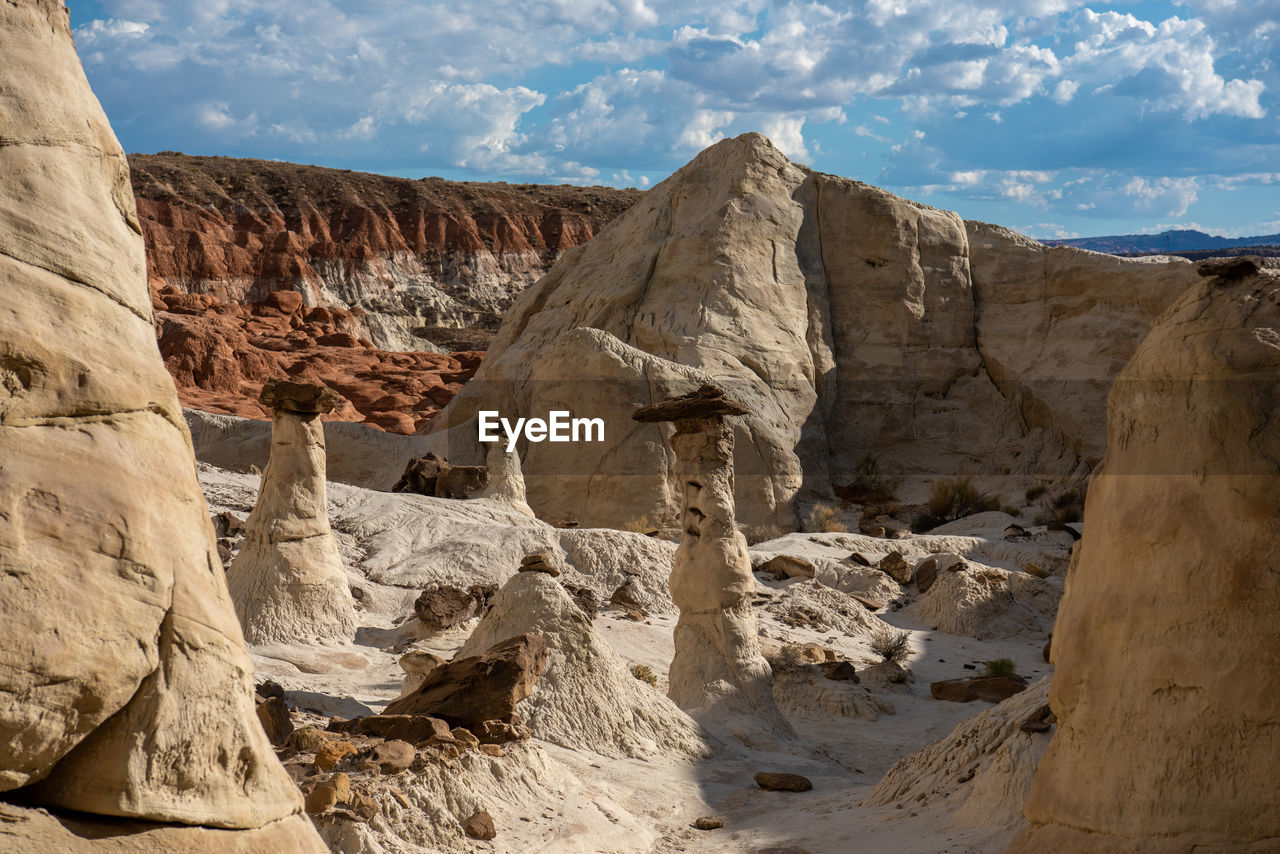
(1001, 667)
(825, 519)
(890, 645)
(644, 673)
(954, 498)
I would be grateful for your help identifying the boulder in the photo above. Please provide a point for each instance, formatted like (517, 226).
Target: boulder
(124, 673)
(480, 826)
(479, 687)
(773, 781)
(788, 566)
(1169, 713)
(992, 689)
(587, 698)
(896, 567)
(442, 605)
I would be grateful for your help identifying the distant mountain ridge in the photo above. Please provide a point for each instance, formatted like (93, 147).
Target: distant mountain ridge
(1176, 240)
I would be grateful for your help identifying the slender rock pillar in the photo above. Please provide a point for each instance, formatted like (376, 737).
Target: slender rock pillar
(288, 582)
(717, 658)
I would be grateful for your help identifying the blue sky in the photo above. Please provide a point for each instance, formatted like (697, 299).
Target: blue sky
(1055, 117)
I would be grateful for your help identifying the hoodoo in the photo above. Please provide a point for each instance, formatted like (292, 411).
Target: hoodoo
(717, 659)
(287, 581)
(1169, 712)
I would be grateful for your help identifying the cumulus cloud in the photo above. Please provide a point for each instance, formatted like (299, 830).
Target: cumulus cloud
(1007, 103)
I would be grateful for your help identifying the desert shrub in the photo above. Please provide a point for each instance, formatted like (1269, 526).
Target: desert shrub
(1065, 506)
(869, 483)
(825, 519)
(644, 673)
(1011, 510)
(761, 533)
(642, 525)
(1034, 493)
(891, 645)
(1001, 667)
(789, 657)
(954, 498)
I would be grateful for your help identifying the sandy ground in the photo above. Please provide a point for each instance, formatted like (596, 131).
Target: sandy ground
(598, 804)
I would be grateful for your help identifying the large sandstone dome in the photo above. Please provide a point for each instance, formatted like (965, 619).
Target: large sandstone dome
(850, 322)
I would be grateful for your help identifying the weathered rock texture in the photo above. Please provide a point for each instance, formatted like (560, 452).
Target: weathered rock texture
(416, 256)
(586, 699)
(981, 772)
(287, 581)
(1170, 713)
(125, 689)
(220, 353)
(848, 321)
(717, 663)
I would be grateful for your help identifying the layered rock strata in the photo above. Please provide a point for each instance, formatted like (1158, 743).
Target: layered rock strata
(425, 260)
(287, 581)
(849, 321)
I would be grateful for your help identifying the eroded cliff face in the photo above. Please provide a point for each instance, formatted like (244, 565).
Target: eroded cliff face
(413, 255)
(851, 322)
(1166, 644)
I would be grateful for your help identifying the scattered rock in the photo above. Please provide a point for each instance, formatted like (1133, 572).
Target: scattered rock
(479, 688)
(993, 689)
(858, 560)
(1035, 570)
(779, 782)
(1016, 534)
(585, 598)
(1048, 647)
(925, 574)
(708, 822)
(840, 671)
(442, 606)
(896, 567)
(393, 756)
(480, 826)
(274, 715)
(788, 566)
(341, 786)
(330, 753)
(414, 729)
(539, 562)
(365, 807)
(420, 475)
(324, 796)
(416, 665)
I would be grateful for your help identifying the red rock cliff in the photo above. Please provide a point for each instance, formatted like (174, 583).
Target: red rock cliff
(261, 269)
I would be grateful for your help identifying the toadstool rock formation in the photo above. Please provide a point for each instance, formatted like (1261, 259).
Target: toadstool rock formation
(1169, 714)
(287, 581)
(125, 689)
(717, 659)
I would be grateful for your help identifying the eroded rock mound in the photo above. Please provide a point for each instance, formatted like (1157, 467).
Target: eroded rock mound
(1169, 712)
(586, 698)
(124, 683)
(981, 772)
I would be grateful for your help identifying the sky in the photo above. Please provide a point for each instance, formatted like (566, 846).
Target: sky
(1055, 117)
